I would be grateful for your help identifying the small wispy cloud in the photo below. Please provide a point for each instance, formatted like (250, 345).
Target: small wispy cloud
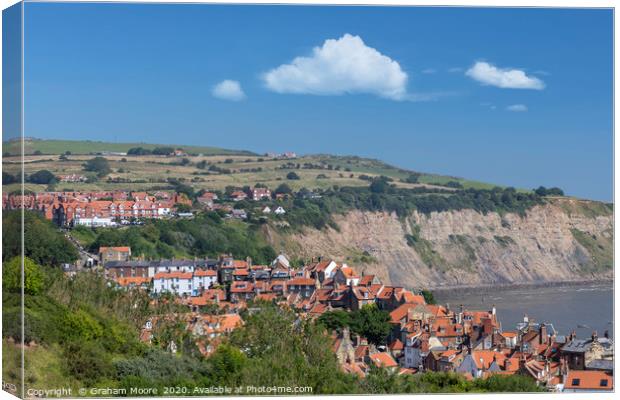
(429, 71)
(454, 70)
(228, 90)
(504, 78)
(517, 108)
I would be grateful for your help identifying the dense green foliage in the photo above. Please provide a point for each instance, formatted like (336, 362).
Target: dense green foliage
(163, 151)
(292, 175)
(429, 298)
(207, 235)
(138, 151)
(8, 179)
(43, 242)
(380, 381)
(554, 191)
(369, 322)
(382, 196)
(98, 165)
(282, 350)
(12, 276)
(41, 177)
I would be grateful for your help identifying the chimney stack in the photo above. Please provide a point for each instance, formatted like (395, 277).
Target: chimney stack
(542, 334)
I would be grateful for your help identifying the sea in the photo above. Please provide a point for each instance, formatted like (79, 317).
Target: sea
(583, 308)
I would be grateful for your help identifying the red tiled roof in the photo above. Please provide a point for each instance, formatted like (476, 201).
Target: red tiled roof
(203, 272)
(301, 281)
(132, 280)
(383, 360)
(396, 345)
(171, 275)
(348, 272)
(241, 287)
(321, 266)
(208, 296)
(241, 272)
(318, 309)
(413, 298)
(366, 280)
(386, 293)
(401, 312)
(589, 380)
(484, 358)
(361, 351)
(120, 249)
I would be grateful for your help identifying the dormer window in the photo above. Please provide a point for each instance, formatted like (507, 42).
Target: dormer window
(604, 382)
(576, 382)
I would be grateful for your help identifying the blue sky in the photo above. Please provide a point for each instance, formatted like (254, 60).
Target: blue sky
(429, 89)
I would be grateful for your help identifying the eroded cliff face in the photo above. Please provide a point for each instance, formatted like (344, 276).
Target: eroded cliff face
(564, 240)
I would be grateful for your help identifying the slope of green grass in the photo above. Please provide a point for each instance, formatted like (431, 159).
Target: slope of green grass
(88, 146)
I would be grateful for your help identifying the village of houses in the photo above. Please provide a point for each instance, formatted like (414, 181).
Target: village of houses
(424, 337)
(117, 208)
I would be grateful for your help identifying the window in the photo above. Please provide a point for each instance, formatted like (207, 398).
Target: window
(604, 382)
(576, 382)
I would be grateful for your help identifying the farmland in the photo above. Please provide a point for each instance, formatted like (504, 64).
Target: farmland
(208, 170)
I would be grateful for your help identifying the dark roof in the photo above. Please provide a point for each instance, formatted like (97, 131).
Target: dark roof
(606, 365)
(173, 263)
(577, 346)
(125, 264)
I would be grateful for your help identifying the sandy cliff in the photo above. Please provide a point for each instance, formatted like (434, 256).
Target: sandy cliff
(564, 240)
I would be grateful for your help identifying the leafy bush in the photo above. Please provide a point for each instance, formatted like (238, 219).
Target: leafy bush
(98, 165)
(82, 326)
(7, 178)
(163, 151)
(12, 276)
(207, 235)
(554, 191)
(43, 242)
(292, 176)
(42, 177)
(138, 151)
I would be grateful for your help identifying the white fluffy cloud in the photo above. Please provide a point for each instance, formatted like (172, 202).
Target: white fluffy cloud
(228, 90)
(489, 74)
(517, 108)
(340, 66)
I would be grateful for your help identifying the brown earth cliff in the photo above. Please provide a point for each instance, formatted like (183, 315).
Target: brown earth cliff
(565, 240)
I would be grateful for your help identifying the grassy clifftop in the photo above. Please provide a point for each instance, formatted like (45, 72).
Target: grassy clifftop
(89, 146)
(211, 168)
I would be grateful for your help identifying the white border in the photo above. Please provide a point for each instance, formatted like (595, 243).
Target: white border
(468, 3)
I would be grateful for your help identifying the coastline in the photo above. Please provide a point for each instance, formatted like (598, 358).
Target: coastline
(465, 289)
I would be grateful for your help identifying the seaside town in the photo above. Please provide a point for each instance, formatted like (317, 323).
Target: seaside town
(116, 208)
(423, 337)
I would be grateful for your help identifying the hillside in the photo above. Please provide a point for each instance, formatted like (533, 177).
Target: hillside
(415, 229)
(561, 241)
(210, 168)
(57, 147)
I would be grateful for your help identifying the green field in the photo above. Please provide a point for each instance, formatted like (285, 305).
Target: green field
(147, 172)
(87, 147)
